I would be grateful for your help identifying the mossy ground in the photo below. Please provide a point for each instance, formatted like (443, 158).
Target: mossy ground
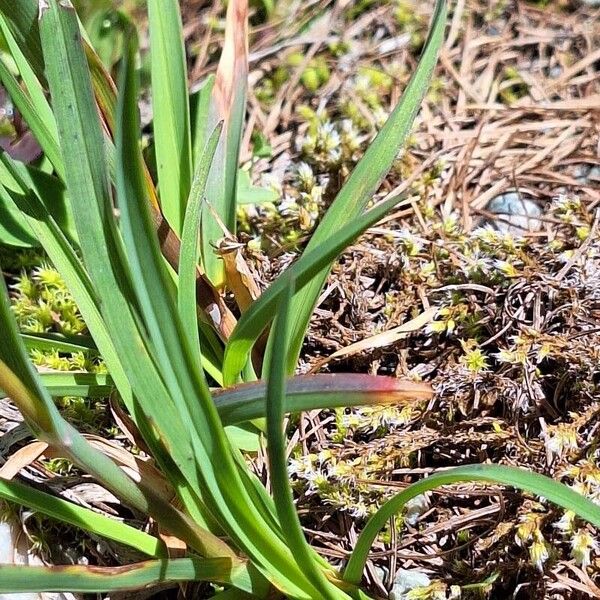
(512, 349)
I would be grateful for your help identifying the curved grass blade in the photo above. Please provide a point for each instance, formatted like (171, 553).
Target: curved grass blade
(105, 93)
(87, 177)
(81, 517)
(76, 278)
(171, 110)
(246, 402)
(20, 381)
(282, 492)
(254, 321)
(83, 579)
(190, 251)
(366, 177)
(519, 478)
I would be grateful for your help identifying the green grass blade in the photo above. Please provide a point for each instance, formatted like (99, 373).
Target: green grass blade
(367, 176)
(151, 286)
(254, 321)
(228, 104)
(212, 350)
(87, 178)
(522, 479)
(81, 517)
(277, 444)
(32, 104)
(22, 18)
(73, 272)
(200, 107)
(78, 385)
(70, 270)
(190, 251)
(50, 191)
(76, 278)
(309, 392)
(14, 229)
(77, 578)
(170, 107)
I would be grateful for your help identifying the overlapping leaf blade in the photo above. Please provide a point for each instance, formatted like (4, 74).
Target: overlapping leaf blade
(87, 182)
(32, 104)
(226, 489)
(19, 380)
(253, 322)
(22, 18)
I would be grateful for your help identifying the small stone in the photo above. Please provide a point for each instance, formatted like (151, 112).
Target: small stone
(555, 71)
(519, 215)
(414, 508)
(406, 581)
(587, 174)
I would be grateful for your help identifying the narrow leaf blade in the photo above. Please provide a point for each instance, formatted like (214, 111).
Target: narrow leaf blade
(277, 445)
(246, 402)
(367, 176)
(81, 517)
(519, 478)
(254, 321)
(170, 108)
(77, 578)
(190, 238)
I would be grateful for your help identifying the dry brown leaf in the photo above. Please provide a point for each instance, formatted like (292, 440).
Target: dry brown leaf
(238, 275)
(22, 458)
(381, 339)
(176, 547)
(126, 424)
(233, 65)
(140, 470)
